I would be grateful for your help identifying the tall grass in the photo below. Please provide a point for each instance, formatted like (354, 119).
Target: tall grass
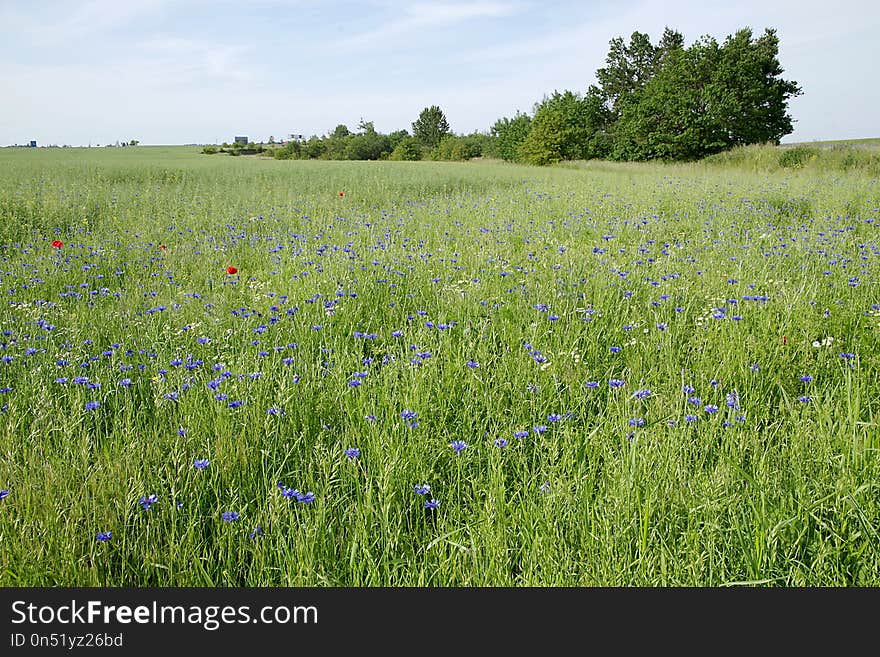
(495, 302)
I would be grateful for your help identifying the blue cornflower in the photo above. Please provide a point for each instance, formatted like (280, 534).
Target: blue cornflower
(92, 405)
(352, 452)
(636, 422)
(804, 399)
(289, 493)
(181, 432)
(545, 487)
(520, 434)
(688, 389)
(616, 383)
(710, 408)
(662, 326)
(431, 504)
(306, 498)
(690, 418)
(258, 531)
(273, 410)
(473, 364)
(539, 428)
(806, 378)
(148, 501)
(641, 394)
(500, 442)
(847, 355)
(410, 417)
(4, 493)
(236, 403)
(201, 464)
(696, 401)
(458, 445)
(422, 489)
(103, 537)
(615, 350)
(591, 384)
(229, 516)
(554, 417)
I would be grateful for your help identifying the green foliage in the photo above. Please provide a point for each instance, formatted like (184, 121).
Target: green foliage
(431, 126)
(451, 148)
(408, 149)
(396, 137)
(796, 156)
(508, 135)
(566, 126)
(292, 150)
(209, 150)
(705, 99)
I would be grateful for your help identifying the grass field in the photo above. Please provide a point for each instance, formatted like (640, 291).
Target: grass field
(435, 374)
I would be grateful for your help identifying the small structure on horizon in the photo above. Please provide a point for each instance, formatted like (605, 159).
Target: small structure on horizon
(241, 140)
(33, 143)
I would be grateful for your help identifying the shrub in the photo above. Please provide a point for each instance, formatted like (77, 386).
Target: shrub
(796, 156)
(408, 149)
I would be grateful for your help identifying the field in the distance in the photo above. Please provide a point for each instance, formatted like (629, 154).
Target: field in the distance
(435, 373)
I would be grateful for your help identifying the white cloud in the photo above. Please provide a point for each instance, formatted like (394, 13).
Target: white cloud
(419, 18)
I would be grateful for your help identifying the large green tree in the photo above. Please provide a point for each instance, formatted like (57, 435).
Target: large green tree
(566, 126)
(431, 126)
(508, 134)
(708, 98)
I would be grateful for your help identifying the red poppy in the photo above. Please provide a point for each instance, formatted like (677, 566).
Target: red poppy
(231, 270)
(341, 194)
(784, 340)
(57, 244)
(162, 246)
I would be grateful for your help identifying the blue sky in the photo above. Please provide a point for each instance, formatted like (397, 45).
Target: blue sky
(198, 71)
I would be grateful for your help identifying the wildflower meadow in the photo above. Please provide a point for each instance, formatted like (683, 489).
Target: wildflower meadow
(221, 371)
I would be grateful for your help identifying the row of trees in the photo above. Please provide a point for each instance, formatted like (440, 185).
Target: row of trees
(431, 138)
(663, 101)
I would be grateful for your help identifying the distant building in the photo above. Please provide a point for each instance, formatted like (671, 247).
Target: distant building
(241, 140)
(33, 143)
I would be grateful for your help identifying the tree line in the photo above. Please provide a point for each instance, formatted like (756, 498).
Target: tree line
(664, 101)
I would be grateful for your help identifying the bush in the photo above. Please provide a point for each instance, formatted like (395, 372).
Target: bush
(209, 150)
(450, 148)
(408, 149)
(796, 157)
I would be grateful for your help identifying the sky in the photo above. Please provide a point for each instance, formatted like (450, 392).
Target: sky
(82, 72)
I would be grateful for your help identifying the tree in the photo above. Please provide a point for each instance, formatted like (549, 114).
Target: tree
(708, 98)
(566, 126)
(133, 142)
(431, 126)
(508, 134)
(396, 137)
(407, 149)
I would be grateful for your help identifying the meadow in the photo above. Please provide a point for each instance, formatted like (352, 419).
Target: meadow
(225, 371)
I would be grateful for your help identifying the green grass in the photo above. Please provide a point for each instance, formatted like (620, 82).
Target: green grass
(770, 491)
